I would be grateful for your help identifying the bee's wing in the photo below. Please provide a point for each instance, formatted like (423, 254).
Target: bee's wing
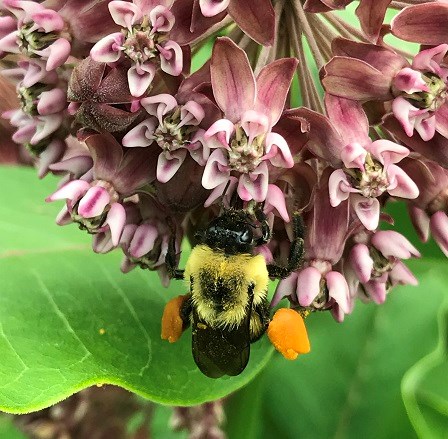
(219, 351)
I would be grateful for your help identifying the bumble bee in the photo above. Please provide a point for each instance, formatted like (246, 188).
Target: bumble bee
(227, 305)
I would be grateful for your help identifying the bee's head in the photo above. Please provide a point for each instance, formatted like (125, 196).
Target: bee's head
(231, 232)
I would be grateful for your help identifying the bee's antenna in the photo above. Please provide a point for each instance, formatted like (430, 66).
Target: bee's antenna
(221, 201)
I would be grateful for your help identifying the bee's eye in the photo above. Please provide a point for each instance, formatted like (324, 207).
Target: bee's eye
(245, 237)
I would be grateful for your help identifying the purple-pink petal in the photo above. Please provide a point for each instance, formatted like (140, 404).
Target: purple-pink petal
(391, 243)
(93, 203)
(143, 240)
(361, 262)
(367, 210)
(338, 290)
(308, 285)
(116, 218)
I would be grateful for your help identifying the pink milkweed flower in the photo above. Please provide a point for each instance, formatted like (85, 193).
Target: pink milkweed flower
(39, 33)
(245, 143)
(429, 211)
(319, 285)
(374, 254)
(174, 127)
(98, 205)
(366, 169)
(195, 17)
(415, 94)
(144, 40)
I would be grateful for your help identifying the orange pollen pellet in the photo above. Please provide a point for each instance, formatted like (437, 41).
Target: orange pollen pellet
(288, 333)
(172, 324)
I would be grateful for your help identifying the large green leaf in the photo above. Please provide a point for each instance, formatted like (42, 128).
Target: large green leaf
(70, 319)
(349, 385)
(425, 388)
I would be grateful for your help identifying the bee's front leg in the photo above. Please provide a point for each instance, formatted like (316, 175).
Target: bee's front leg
(296, 251)
(176, 317)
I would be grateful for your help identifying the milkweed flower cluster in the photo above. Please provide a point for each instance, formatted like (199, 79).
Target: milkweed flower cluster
(149, 150)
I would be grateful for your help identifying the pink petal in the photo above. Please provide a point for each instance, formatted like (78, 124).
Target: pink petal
(223, 128)
(232, 79)
(349, 119)
(275, 199)
(169, 163)
(439, 229)
(48, 20)
(94, 202)
(108, 49)
(412, 23)
(229, 186)
(52, 153)
(191, 113)
(254, 186)
(45, 126)
(338, 290)
(216, 170)
(210, 8)
(273, 83)
(401, 275)
(426, 127)
(51, 101)
(56, 54)
(9, 43)
(124, 14)
(376, 291)
(254, 124)
(355, 79)
(391, 243)
(308, 285)
(116, 219)
(410, 81)
(277, 151)
(361, 262)
(73, 190)
(354, 156)
(255, 19)
(367, 210)
(429, 60)
(171, 58)
(143, 240)
(140, 78)
(162, 19)
(371, 15)
(338, 187)
(286, 287)
(400, 184)
(420, 221)
(388, 152)
(141, 135)
(159, 105)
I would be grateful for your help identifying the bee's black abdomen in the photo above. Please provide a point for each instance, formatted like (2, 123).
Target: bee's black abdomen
(219, 351)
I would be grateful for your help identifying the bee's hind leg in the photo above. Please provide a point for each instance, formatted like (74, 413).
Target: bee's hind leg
(176, 317)
(259, 320)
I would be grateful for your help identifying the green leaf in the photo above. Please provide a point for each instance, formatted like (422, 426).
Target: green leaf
(70, 319)
(425, 388)
(348, 386)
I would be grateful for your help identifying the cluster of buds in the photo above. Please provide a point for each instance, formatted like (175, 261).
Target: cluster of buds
(149, 151)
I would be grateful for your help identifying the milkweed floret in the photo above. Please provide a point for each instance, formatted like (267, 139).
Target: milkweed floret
(144, 40)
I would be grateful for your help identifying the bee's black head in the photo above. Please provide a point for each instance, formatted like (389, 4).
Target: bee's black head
(231, 232)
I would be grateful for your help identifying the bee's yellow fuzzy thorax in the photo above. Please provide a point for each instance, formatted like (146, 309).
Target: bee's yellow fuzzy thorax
(212, 269)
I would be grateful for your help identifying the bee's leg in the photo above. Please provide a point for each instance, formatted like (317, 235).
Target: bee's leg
(296, 251)
(176, 317)
(287, 332)
(171, 260)
(265, 229)
(259, 320)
